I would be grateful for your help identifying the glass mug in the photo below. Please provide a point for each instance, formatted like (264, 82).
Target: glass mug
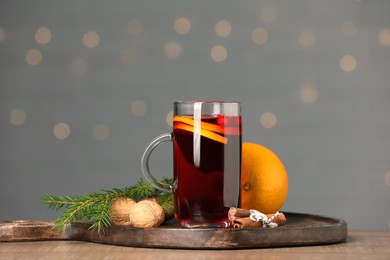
(206, 141)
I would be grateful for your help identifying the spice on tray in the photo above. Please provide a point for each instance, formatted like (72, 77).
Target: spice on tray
(243, 218)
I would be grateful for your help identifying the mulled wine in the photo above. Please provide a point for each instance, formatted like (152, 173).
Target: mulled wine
(207, 166)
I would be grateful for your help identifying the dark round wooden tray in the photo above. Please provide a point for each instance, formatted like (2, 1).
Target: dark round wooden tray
(300, 230)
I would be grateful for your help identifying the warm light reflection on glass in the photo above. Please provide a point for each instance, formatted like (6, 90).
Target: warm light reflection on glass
(270, 15)
(348, 63)
(135, 27)
(61, 131)
(17, 117)
(172, 50)
(79, 66)
(387, 179)
(33, 57)
(218, 53)
(100, 131)
(384, 38)
(91, 39)
(306, 39)
(2, 35)
(128, 57)
(182, 25)
(349, 29)
(42, 35)
(259, 36)
(308, 94)
(169, 118)
(223, 28)
(139, 108)
(268, 120)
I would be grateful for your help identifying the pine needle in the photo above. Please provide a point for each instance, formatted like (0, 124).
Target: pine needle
(96, 207)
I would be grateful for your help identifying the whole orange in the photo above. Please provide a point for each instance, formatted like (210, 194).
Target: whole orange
(264, 180)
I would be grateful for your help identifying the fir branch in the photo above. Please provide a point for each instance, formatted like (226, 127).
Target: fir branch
(57, 203)
(165, 200)
(104, 220)
(96, 207)
(137, 192)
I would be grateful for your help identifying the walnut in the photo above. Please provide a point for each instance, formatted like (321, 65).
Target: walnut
(146, 214)
(120, 209)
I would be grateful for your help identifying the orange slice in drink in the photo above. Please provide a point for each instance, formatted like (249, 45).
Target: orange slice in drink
(209, 126)
(203, 132)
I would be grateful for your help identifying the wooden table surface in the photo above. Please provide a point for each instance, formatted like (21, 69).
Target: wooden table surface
(359, 245)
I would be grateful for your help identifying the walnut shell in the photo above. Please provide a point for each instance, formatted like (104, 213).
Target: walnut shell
(120, 209)
(146, 214)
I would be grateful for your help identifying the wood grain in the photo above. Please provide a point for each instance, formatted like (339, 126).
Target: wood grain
(363, 244)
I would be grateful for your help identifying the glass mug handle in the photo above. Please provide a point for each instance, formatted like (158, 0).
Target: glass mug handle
(145, 162)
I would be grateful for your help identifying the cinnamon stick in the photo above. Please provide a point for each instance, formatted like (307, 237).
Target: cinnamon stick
(238, 213)
(247, 222)
(240, 219)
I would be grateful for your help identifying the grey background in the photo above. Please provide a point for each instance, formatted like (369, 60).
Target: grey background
(334, 140)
